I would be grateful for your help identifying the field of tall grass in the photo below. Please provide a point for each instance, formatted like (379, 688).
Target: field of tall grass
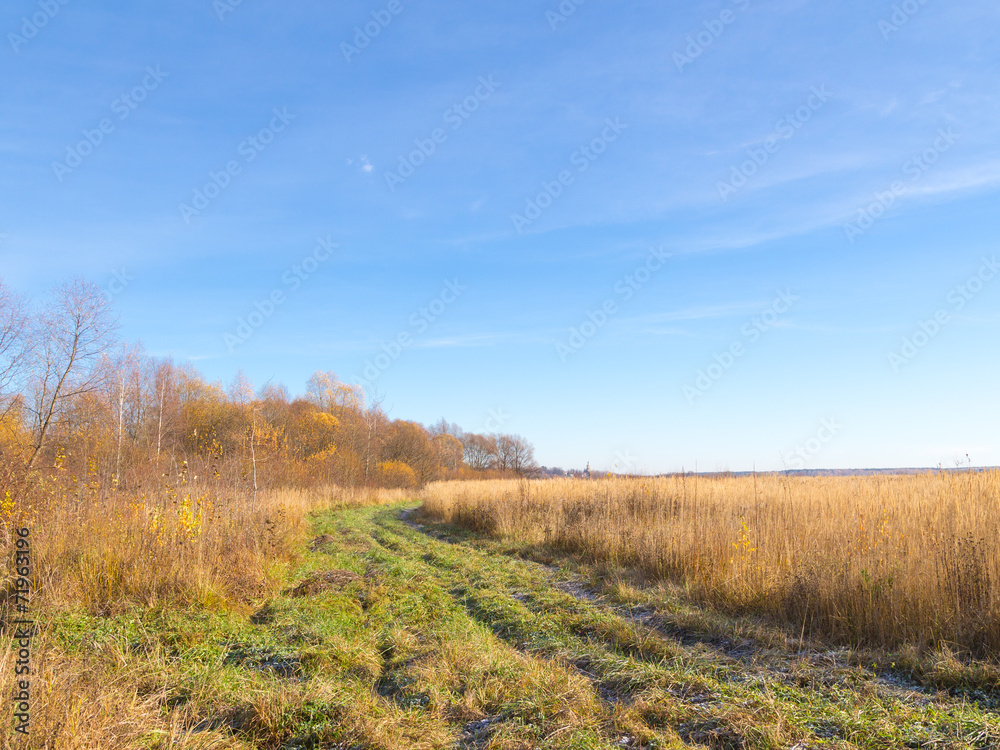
(884, 561)
(98, 553)
(178, 545)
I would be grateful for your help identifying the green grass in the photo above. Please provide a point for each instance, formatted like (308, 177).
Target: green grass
(446, 641)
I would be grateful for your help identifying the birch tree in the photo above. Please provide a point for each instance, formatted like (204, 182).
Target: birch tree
(72, 333)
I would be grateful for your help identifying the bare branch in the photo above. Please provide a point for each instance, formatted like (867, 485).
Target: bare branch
(15, 345)
(73, 332)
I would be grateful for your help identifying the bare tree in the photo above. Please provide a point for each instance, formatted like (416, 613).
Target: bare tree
(331, 395)
(123, 381)
(520, 456)
(480, 451)
(165, 382)
(15, 345)
(450, 451)
(374, 420)
(72, 333)
(443, 427)
(241, 394)
(274, 393)
(504, 451)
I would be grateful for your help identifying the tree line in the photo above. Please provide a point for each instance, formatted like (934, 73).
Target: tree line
(78, 400)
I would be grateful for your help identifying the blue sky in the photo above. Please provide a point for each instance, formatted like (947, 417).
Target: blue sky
(817, 180)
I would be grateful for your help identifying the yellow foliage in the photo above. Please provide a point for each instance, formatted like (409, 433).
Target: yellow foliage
(396, 474)
(7, 506)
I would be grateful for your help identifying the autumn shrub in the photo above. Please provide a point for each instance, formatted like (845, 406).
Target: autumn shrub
(396, 474)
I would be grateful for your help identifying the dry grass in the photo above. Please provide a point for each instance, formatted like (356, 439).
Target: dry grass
(101, 702)
(105, 553)
(180, 545)
(437, 642)
(885, 561)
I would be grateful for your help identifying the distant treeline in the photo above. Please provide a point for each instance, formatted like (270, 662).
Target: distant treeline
(78, 402)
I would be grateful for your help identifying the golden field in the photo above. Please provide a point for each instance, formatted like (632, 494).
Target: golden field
(97, 555)
(882, 561)
(180, 545)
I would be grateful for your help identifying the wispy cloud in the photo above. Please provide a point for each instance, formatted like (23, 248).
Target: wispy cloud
(487, 339)
(839, 330)
(700, 313)
(679, 332)
(975, 177)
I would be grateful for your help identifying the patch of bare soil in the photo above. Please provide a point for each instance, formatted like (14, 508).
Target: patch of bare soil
(321, 542)
(330, 580)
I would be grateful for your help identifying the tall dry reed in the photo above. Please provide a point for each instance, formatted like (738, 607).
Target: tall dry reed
(879, 561)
